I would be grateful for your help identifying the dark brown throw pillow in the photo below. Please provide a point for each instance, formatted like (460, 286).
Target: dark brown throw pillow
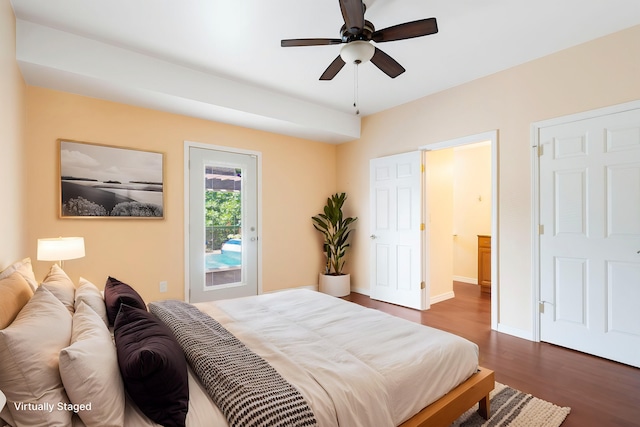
(152, 365)
(116, 293)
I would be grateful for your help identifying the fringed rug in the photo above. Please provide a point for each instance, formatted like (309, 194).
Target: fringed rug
(510, 407)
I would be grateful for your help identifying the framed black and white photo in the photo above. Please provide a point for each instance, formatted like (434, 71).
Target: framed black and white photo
(102, 181)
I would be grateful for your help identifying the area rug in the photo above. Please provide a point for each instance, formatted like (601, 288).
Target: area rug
(510, 407)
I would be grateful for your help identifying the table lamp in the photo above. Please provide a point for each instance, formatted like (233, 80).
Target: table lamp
(60, 249)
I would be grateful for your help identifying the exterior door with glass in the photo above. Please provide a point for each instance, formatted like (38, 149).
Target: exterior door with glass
(222, 225)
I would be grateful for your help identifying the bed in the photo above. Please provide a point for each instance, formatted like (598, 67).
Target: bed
(340, 363)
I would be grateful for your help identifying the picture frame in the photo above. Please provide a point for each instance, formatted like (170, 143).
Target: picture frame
(105, 181)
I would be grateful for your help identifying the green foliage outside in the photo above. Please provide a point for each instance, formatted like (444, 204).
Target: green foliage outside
(223, 213)
(222, 208)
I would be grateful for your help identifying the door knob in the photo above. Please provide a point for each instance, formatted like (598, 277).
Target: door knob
(373, 236)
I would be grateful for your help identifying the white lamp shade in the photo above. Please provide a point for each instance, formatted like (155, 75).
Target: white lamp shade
(357, 51)
(60, 248)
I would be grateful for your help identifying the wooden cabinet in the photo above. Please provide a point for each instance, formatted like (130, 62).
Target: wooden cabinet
(484, 263)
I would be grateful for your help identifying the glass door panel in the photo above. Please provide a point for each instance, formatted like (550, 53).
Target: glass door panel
(223, 225)
(223, 235)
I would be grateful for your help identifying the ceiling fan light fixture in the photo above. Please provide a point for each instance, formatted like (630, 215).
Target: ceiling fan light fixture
(357, 52)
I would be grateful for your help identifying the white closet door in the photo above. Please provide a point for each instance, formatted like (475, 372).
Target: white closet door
(590, 242)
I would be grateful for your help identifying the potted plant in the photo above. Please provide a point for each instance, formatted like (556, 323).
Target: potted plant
(335, 228)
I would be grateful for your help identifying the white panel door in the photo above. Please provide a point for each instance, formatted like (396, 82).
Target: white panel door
(590, 243)
(223, 230)
(396, 239)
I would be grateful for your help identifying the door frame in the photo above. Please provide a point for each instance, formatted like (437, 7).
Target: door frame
(191, 144)
(491, 136)
(535, 195)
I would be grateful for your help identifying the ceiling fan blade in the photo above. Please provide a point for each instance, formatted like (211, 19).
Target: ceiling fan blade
(408, 30)
(387, 64)
(353, 14)
(309, 42)
(333, 69)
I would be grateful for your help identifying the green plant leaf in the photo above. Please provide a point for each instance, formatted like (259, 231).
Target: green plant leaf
(336, 230)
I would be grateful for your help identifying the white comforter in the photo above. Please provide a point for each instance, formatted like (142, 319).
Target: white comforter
(357, 365)
(354, 366)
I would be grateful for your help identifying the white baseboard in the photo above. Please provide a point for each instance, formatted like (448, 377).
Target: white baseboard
(442, 297)
(520, 333)
(471, 280)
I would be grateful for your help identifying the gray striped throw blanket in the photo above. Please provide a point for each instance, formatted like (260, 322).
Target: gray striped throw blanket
(248, 390)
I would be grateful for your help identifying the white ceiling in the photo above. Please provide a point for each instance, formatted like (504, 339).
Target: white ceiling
(221, 59)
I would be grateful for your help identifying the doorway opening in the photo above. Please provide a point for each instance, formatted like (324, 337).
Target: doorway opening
(460, 206)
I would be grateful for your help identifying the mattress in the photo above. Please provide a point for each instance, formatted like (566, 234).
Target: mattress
(355, 366)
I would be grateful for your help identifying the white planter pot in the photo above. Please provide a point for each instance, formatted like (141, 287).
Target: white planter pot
(337, 286)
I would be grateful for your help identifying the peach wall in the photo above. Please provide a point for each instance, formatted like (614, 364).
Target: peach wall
(12, 125)
(471, 206)
(439, 186)
(297, 177)
(600, 73)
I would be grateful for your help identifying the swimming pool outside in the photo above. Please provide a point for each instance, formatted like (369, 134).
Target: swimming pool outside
(223, 261)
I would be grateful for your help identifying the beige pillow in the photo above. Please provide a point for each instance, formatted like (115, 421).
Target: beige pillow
(25, 269)
(61, 286)
(29, 351)
(15, 292)
(88, 293)
(5, 417)
(90, 372)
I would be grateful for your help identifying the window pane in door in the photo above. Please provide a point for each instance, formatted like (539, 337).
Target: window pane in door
(223, 226)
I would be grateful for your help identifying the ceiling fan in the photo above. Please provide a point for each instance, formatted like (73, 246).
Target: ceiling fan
(357, 34)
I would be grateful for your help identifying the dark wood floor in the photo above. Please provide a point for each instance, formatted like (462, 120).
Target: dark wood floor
(600, 392)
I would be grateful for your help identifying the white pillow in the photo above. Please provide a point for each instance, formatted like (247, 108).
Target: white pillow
(88, 293)
(25, 269)
(61, 286)
(29, 351)
(90, 372)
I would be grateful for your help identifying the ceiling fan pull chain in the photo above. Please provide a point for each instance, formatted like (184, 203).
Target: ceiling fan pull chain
(355, 89)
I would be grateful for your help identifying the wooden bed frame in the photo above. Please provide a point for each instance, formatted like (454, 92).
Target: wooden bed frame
(449, 407)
